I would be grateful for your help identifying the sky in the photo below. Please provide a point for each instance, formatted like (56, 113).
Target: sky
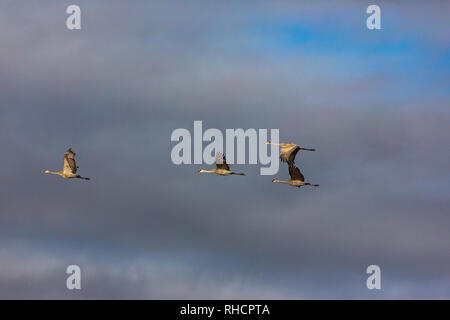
(374, 103)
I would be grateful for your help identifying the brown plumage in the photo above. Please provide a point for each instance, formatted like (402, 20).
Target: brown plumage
(70, 167)
(222, 167)
(288, 151)
(297, 178)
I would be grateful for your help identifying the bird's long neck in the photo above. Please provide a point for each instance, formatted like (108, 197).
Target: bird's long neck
(275, 144)
(280, 181)
(58, 173)
(206, 171)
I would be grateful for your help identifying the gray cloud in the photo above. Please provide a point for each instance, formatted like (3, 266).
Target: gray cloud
(144, 228)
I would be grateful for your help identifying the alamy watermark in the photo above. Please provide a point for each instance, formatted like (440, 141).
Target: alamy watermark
(236, 143)
(74, 279)
(374, 280)
(73, 21)
(373, 22)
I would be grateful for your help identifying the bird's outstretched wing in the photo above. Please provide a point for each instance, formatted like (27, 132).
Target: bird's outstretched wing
(70, 165)
(295, 173)
(287, 154)
(221, 162)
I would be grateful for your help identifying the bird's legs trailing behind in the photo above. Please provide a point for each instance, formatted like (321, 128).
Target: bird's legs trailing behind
(312, 185)
(282, 145)
(308, 149)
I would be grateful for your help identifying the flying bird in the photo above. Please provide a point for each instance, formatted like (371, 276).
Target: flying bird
(297, 178)
(288, 151)
(70, 167)
(222, 168)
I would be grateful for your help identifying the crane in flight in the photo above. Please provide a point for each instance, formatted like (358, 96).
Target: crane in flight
(70, 167)
(297, 179)
(288, 151)
(222, 168)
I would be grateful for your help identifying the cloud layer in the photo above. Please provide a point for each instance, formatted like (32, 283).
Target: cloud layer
(374, 104)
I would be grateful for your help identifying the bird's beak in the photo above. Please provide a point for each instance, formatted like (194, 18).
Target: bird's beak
(268, 142)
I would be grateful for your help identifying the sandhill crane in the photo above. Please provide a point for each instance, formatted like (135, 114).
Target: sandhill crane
(288, 151)
(69, 170)
(222, 167)
(297, 178)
